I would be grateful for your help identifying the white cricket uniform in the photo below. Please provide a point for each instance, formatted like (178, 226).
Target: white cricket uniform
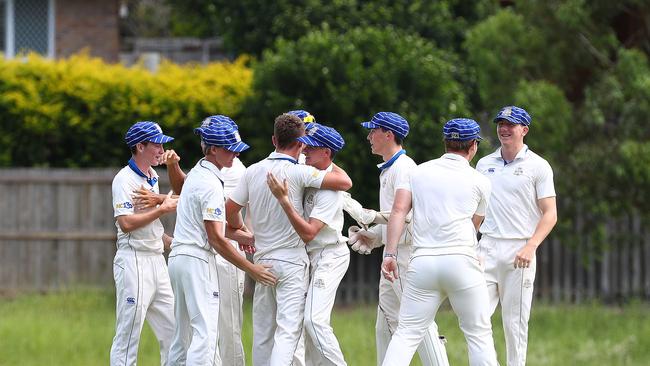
(141, 279)
(446, 193)
(329, 257)
(431, 351)
(231, 287)
(193, 268)
(509, 222)
(277, 311)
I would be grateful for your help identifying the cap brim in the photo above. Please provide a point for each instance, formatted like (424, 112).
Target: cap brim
(161, 139)
(370, 125)
(238, 147)
(308, 140)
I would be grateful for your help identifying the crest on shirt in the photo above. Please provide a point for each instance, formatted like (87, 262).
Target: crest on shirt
(319, 283)
(519, 171)
(491, 170)
(383, 183)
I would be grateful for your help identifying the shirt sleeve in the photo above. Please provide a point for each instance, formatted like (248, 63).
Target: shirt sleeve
(212, 203)
(326, 206)
(403, 179)
(544, 185)
(122, 200)
(308, 176)
(240, 194)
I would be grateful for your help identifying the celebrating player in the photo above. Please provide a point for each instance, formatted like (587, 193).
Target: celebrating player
(448, 198)
(521, 214)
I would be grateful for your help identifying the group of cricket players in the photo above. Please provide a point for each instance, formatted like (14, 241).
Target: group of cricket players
(287, 212)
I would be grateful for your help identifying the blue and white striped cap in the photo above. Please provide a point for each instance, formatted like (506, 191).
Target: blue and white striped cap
(219, 118)
(318, 135)
(303, 115)
(223, 135)
(146, 131)
(515, 115)
(391, 121)
(461, 129)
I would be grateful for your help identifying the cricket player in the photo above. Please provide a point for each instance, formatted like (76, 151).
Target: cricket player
(141, 279)
(231, 278)
(198, 237)
(387, 131)
(521, 214)
(278, 311)
(320, 228)
(448, 198)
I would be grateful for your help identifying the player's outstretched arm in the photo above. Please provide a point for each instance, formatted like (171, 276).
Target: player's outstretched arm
(401, 207)
(135, 221)
(307, 230)
(336, 180)
(174, 171)
(258, 272)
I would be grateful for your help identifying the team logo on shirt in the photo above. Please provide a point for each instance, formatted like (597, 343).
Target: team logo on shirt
(319, 283)
(124, 205)
(491, 170)
(519, 171)
(130, 300)
(215, 294)
(383, 183)
(213, 211)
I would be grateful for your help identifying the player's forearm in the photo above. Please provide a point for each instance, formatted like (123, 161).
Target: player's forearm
(395, 229)
(336, 180)
(306, 231)
(167, 241)
(241, 236)
(223, 247)
(133, 222)
(176, 177)
(233, 214)
(544, 227)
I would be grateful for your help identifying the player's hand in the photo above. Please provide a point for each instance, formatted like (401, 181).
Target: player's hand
(262, 274)
(525, 256)
(362, 241)
(169, 203)
(144, 198)
(389, 269)
(245, 238)
(278, 190)
(248, 249)
(170, 157)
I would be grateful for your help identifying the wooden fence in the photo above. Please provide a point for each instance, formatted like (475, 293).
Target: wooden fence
(57, 231)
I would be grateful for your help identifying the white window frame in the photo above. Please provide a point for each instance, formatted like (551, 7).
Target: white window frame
(10, 33)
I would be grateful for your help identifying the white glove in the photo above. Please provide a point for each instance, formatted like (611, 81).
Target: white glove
(361, 215)
(364, 241)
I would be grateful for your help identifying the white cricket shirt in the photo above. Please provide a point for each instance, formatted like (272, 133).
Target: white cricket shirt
(387, 187)
(269, 222)
(516, 188)
(231, 176)
(446, 193)
(202, 198)
(326, 206)
(148, 237)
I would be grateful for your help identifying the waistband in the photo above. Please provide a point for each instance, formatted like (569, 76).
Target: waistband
(283, 254)
(129, 252)
(192, 250)
(453, 250)
(503, 240)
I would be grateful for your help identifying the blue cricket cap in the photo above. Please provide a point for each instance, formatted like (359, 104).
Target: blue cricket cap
(390, 121)
(303, 115)
(219, 118)
(515, 115)
(146, 131)
(461, 129)
(318, 135)
(223, 135)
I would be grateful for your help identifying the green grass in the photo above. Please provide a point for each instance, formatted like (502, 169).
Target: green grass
(76, 328)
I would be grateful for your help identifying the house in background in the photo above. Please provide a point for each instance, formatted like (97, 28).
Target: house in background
(60, 28)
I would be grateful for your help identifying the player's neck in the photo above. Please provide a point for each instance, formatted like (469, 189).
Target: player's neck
(294, 152)
(213, 160)
(510, 151)
(142, 164)
(390, 151)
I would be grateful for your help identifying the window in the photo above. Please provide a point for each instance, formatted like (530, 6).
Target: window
(27, 26)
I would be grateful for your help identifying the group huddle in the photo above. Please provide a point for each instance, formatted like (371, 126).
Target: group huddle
(287, 211)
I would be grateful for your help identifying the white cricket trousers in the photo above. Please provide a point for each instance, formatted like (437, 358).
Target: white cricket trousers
(513, 288)
(328, 266)
(432, 279)
(278, 311)
(193, 273)
(432, 350)
(231, 292)
(143, 292)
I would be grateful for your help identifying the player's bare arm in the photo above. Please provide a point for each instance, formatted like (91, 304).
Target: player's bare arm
(167, 242)
(258, 272)
(401, 207)
(129, 223)
(144, 198)
(233, 215)
(336, 180)
(307, 230)
(477, 220)
(174, 171)
(549, 218)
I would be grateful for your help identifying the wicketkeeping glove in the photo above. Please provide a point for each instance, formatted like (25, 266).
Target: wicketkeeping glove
(361, 215)
(364, 241)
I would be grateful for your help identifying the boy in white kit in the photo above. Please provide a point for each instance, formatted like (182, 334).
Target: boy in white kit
(521, 214)
(320, 229)
(141, 279)
(200, 234)
(387, 131)
(448, 198)
(278, 311)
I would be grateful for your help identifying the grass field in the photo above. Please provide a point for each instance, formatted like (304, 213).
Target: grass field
(76, 328)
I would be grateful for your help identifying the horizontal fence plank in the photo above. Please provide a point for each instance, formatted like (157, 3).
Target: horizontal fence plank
(57, 235)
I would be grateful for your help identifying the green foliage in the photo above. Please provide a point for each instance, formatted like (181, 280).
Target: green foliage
(343, 79)
(74, 113)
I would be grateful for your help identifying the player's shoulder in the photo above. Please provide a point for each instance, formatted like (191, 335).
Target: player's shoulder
(405, 161)
(487, 159)
(123, 176)
(537, 161)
